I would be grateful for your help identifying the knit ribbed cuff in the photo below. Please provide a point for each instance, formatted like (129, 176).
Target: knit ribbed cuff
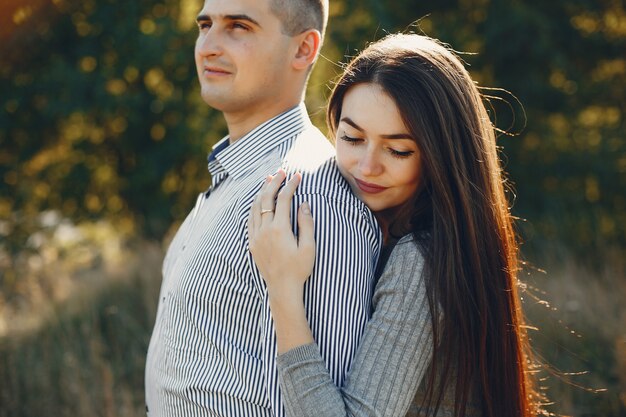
(300, 354)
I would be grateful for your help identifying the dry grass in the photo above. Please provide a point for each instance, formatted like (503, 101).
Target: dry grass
(77, 326)
(581, 319)
(79, 350)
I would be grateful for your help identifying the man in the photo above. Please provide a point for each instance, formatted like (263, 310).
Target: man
(212, 351)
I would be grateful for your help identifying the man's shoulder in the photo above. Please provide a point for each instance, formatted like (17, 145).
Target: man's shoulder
(308, 152)
(312, 155)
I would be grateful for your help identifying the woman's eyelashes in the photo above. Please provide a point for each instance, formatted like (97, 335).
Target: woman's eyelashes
(400, 154)
(351, 140)
(354, 141)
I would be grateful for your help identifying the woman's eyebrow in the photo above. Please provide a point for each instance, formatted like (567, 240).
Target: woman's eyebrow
(351, 122)
(397, 136)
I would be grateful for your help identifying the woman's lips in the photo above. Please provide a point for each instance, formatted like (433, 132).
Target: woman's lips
(369, 188)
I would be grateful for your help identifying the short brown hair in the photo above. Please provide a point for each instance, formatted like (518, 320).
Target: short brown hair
(298, 16)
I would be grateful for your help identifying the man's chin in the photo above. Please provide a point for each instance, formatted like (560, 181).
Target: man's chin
(214, 100)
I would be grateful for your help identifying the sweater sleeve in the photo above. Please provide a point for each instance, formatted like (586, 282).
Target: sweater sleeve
(391, 360)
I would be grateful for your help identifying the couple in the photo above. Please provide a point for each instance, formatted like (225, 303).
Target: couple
(398, 294)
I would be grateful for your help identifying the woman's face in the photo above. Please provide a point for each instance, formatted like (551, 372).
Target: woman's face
(375, 152)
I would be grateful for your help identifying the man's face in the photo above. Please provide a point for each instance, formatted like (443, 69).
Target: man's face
(242, 56)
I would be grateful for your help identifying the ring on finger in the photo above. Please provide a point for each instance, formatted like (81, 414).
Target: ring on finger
(267, 211)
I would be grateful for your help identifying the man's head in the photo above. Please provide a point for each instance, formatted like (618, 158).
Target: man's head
(298, 16)
(253, 56)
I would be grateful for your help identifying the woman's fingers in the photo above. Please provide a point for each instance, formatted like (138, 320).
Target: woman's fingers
(267, 195)
(306, 240)
(281, 258)
(283, 202)
(267, 206)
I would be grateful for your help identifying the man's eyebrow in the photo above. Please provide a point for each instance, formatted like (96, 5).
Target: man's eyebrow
(360, 129)
(244, 17)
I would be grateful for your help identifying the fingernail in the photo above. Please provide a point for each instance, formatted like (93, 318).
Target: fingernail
(306, 209)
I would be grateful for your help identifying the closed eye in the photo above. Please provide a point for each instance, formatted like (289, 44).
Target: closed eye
(400, 154)
(351, 140)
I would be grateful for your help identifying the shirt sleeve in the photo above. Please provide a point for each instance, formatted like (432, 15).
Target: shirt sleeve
(337, 296)
(391, 360)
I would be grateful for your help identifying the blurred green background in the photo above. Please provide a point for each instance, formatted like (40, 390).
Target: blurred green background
(103, 144)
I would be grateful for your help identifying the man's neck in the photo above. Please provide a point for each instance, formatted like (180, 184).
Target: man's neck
(241, 123)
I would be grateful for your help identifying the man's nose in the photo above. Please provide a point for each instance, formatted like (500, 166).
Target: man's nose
(209, 43)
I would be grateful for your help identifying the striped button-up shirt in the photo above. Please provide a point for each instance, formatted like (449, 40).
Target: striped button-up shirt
(213, 348)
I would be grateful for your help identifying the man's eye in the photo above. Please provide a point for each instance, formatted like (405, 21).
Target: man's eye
(237, 25)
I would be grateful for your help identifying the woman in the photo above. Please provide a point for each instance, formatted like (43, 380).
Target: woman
(446, 336)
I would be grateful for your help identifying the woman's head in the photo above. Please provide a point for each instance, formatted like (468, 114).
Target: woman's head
(376, 153)
(414, 87)
(438, 105)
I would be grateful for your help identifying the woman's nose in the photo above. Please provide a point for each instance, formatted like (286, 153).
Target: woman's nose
(370, 163)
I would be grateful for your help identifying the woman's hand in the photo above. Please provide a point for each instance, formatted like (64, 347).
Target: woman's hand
(285, 262)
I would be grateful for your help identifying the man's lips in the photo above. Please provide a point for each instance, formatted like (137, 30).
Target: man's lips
(368, 187)
(216, 71)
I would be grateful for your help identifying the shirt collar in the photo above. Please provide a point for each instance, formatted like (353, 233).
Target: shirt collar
(238, 157)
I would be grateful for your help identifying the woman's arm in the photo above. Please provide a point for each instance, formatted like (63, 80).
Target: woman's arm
(285, 262)
(395, 350)
(391, 359)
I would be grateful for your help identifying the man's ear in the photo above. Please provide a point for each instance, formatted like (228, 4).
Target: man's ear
(309, 44)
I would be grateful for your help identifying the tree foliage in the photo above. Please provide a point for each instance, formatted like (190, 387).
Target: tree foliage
(101, 114)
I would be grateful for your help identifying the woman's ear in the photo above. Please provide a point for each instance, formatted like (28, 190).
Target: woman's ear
(309, 44)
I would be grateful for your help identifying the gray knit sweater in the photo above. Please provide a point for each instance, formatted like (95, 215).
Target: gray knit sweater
(393, 356)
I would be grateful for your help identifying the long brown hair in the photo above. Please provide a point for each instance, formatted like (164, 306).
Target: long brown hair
(461, 219)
